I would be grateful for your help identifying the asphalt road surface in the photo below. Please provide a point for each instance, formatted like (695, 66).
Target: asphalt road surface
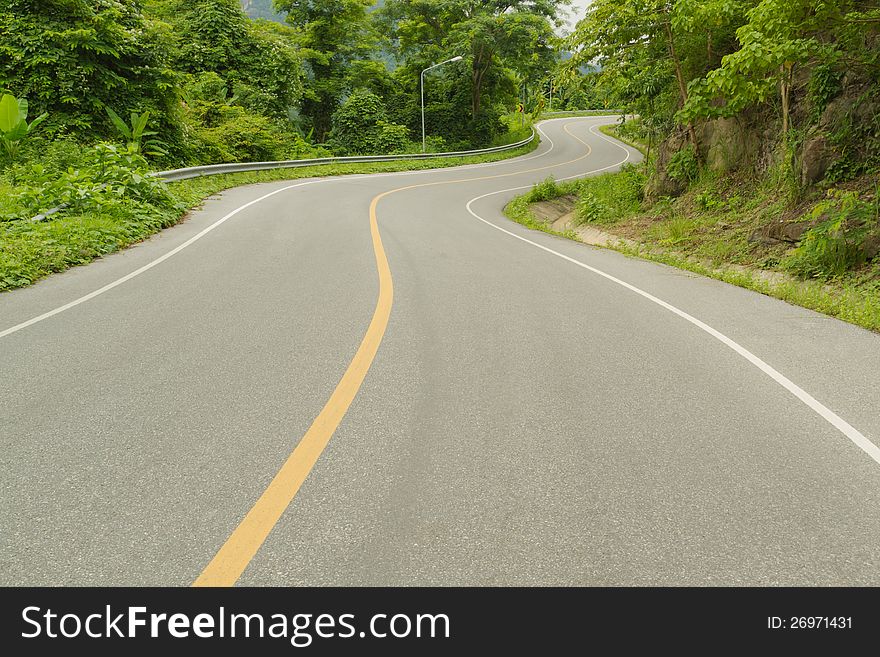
(445, 397)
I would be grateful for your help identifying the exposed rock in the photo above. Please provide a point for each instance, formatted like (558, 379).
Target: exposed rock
(728, 144)
(781, 231)
(871, 246)
(816, 156)
(661, 183)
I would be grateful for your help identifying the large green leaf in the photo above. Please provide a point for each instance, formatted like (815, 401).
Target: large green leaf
(139, 124)
(18, 132)
(36, 122)
(121, 125)
(10, 113)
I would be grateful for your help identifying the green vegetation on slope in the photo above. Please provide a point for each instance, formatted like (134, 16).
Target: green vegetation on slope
(760, 122)
(95, 94)
(728, 227)
(105, 220)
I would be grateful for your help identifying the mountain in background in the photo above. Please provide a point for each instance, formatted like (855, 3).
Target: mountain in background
(262, 9)
(266, 9)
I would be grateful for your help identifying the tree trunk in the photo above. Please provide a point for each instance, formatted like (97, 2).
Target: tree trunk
(682, 87)
(785, 93)
(477, 73)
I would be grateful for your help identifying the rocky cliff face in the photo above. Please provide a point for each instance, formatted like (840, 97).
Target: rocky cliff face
(836, 140)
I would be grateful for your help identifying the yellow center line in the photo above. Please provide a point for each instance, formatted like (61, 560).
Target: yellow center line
(241, 546)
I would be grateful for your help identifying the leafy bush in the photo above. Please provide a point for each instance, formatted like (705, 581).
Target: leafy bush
(360, 127)
(435, 144)
(611, 196)
(836, 244)
(14, 126)
(112, 175)
(73, 58)
(483, 129)
(240, 136)
(391, 138)
(217, 130)
(543, 191)
(591, 210)
(683, 165)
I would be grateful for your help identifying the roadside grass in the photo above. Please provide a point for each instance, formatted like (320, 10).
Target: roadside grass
(612, 131)
(840, 299)
(30, 251)
(610, 197)
(519, 208)
(711, 230)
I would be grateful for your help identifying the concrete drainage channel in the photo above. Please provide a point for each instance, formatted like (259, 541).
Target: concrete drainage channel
(176, 175)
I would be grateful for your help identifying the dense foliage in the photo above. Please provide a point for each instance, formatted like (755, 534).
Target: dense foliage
(72, 58)
(783, 92)
(218, 86)
(681, 62)
(95, 94)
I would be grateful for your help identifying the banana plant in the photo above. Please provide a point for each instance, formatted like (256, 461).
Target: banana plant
(136, 132)
(14, 126)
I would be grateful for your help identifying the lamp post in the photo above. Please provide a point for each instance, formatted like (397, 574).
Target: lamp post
(422, 85)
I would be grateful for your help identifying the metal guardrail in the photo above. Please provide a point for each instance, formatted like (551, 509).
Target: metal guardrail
(238, 167)
(188, 173)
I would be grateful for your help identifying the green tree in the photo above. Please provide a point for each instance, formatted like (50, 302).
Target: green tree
(360, 126)
(513, 35)
(258, 60)
(333, 34)
(71, 58)
(653, 51)
(779, 36)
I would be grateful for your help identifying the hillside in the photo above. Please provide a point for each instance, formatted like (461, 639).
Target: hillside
(761, 125)
(262, 9)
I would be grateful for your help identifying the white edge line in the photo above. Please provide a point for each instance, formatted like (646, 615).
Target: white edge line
(205, 231)
(830, 416)
(149, 265)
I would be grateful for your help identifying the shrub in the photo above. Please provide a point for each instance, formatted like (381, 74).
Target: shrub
(391, 138)
(360, 127)
(837, 243)
(543, 191)
(611, 196)
(683, 165)
(111, 176)
(355, 123)
(591, 210)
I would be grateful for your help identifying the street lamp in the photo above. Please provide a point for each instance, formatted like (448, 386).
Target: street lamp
(422, 80)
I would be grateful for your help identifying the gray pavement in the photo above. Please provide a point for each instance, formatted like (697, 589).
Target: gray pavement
(525, 421)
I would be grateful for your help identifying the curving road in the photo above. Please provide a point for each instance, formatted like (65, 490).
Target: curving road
(445, 396)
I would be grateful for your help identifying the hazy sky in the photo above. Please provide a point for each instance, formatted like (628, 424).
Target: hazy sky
(575, 13)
